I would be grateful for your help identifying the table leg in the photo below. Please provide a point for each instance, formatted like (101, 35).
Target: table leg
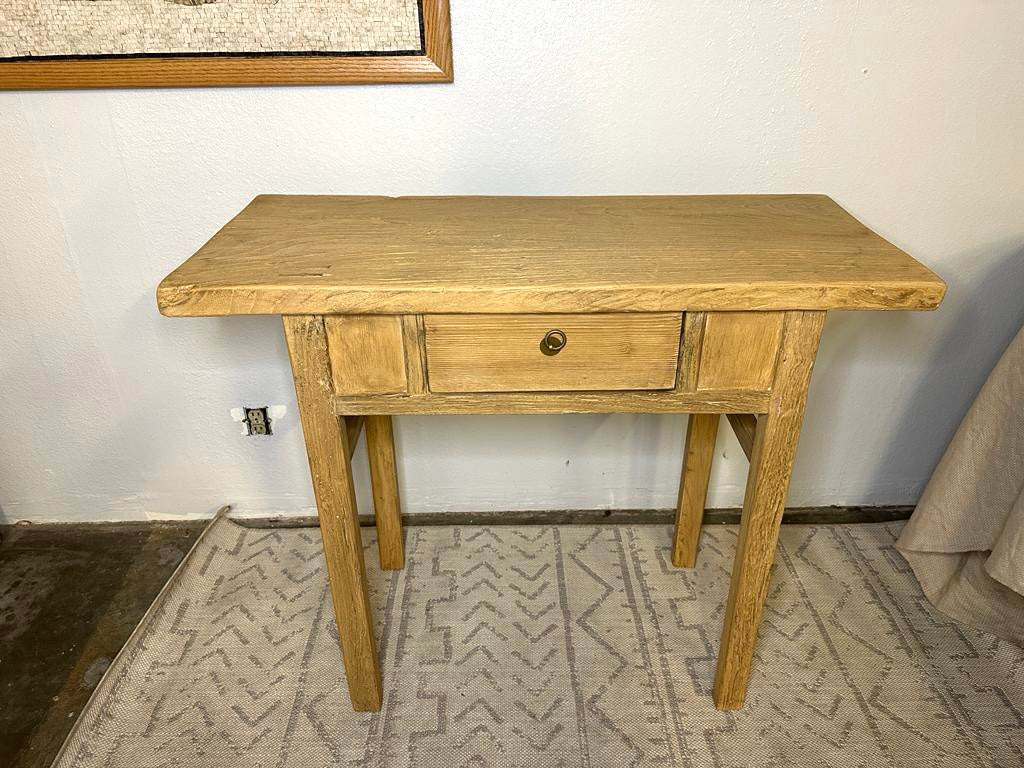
(380, 443)
(770, 467)
(327, 449)
(701, 431)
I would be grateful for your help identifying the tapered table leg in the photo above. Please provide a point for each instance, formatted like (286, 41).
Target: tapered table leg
(328, 452)
(701, 431)
(771, 464)
(380, 444)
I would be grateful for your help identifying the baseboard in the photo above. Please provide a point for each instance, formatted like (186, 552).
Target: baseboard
(793, 516)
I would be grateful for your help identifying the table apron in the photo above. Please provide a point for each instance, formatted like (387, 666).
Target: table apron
(725, 401)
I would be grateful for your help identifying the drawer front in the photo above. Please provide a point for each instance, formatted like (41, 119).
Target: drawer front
(503, 353)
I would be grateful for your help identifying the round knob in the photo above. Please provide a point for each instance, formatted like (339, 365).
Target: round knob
(553, 342)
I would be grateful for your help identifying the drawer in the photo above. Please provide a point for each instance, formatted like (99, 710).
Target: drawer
(552, 353)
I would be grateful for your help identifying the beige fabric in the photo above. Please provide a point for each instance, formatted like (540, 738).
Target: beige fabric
(553, 647)
(965, 541)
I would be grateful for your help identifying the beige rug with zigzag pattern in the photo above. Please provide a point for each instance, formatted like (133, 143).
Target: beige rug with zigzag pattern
(552, 646)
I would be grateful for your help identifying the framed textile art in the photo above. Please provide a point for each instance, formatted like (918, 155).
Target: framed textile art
(141, 43)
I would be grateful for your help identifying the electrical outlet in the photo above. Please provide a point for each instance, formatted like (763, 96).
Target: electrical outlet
(258, 421)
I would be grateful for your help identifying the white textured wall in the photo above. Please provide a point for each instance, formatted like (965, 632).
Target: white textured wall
(910, 117)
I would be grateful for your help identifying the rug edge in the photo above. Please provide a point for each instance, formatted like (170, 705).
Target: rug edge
(219, 516)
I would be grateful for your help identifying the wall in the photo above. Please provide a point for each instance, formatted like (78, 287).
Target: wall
(909, 115)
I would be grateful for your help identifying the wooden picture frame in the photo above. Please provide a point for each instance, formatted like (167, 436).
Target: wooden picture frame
(432, 63)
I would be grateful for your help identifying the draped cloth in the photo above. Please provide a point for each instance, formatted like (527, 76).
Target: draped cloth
(965, 540)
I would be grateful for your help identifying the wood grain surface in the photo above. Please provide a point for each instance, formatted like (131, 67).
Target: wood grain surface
(698, 453)
(328, 451)
(739, 350)
(771, 465)
(362, 255)
(502, 353)
(689, 351)
(380, 444)
(353, 427)
(367, 354)
(744, 425)
(415, 353)
(659, 401)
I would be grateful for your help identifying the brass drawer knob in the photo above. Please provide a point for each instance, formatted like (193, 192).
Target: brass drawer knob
(553, 342)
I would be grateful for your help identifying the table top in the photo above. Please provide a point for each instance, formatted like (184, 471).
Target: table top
(291, 254)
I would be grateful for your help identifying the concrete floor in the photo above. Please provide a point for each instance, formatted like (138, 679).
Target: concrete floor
(70, 595)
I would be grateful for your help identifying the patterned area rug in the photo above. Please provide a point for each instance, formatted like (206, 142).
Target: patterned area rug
(560, 646)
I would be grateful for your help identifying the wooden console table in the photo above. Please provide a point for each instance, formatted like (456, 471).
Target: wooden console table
(700, 305)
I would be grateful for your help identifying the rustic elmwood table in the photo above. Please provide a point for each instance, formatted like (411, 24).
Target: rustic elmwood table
(700, 305)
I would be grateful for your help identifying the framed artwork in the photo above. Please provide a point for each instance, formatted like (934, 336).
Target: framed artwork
(143, 43)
